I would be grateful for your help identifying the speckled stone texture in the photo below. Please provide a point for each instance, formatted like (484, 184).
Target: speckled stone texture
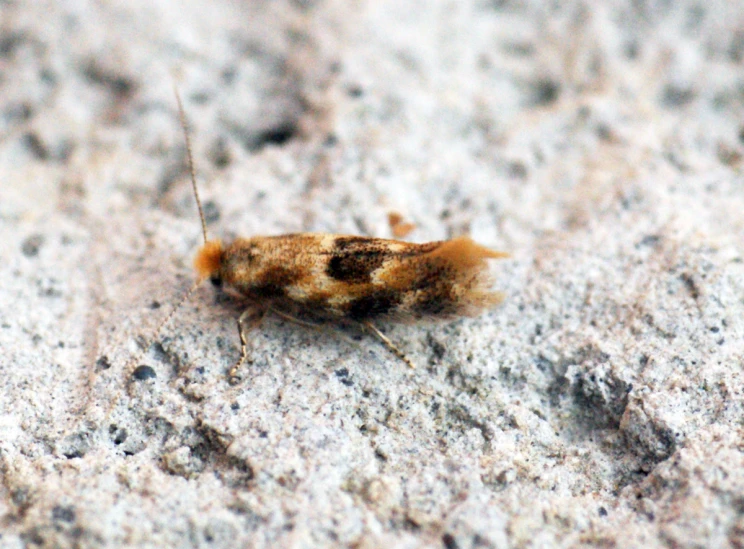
(600, 143)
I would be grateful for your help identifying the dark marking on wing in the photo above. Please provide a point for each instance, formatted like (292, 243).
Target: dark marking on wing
(355, 258)
(272, 282)
(428, 274)
(268, 290)
(377, 304)
(356, 266)
(242, 252)
(359, 242)
(435, 303)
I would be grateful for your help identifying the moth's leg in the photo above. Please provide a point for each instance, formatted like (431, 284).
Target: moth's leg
(290, 318)
(250, 319)
(386, 341)
(317, 326)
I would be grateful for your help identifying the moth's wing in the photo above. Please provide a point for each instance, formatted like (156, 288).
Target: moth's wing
(442, 280)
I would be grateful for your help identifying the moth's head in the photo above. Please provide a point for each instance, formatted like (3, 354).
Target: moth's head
(208, 262)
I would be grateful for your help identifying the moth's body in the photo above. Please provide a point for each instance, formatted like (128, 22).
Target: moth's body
(335, 277)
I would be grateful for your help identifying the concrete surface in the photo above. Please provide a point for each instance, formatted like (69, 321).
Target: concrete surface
(599, 142)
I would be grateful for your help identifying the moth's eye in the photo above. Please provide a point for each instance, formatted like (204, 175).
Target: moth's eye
(216, 281)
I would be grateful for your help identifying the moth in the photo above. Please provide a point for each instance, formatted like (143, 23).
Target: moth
(310, 278)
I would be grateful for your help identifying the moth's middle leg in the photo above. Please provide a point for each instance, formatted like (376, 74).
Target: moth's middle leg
(318, 326)
(386, 341)
(295, 320)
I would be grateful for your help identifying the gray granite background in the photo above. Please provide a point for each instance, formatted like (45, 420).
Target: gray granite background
(600, 143)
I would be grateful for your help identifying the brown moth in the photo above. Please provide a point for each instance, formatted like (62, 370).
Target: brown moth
(309, 278)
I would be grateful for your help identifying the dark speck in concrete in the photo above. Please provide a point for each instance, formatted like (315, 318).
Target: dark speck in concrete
(144, 372)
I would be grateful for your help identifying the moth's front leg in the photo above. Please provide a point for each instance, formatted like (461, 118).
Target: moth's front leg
(250, 319)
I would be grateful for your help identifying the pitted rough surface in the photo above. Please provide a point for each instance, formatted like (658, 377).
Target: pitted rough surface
(601, 144)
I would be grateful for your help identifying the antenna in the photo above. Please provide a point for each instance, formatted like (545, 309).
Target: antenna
(167, 319)
(192, 171)
(197, 284)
